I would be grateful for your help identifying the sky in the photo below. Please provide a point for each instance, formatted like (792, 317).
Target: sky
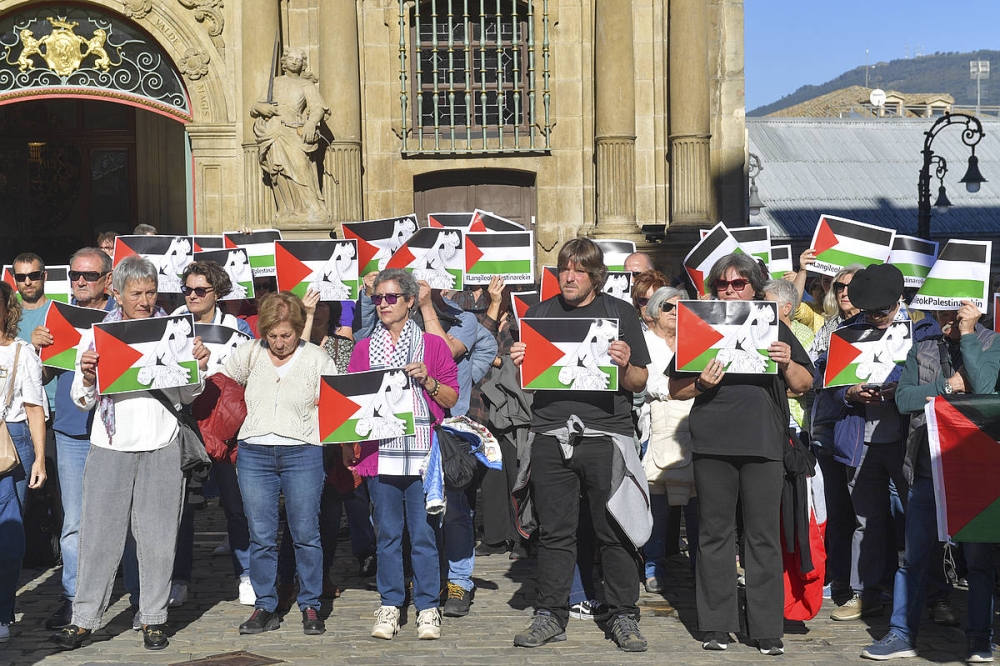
(791, 43)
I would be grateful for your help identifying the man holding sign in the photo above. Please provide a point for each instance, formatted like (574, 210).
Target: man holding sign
(577, 437)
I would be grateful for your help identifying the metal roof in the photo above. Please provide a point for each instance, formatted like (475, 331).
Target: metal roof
(867, 170)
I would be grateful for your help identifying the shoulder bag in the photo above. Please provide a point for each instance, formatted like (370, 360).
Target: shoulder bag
(195, 462)
(8, 451)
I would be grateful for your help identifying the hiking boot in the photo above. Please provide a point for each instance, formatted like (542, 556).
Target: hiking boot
(260, 621)
(429, 624)
(715, 640)
(458, 601)
(771, 646)
(544, 628)
(311, 624)
(891, 646)
(855, 609)
(386, 622)
(625, 631)
(980, 651)
(943, 614)
(71, 637)
(62, 617)
(154, 637)
(589, 609)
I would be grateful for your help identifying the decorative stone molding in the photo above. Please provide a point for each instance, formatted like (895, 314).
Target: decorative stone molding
(194, 64)
(342, 180)
(690, 179)
(209, 12)
(136, 9)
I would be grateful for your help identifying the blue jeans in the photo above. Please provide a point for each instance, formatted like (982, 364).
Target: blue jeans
(26, 452)
(398, 504)
(71, 456)
(459, 539)
(655, 549)
(11, 546)
(266, 472)
(236, 518)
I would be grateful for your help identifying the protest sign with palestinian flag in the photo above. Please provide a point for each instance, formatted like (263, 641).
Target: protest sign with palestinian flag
(520, 301)
(737, 333)
(964, 435)
(206, 243)
(568, 354)
(961, 273)
(329, 267)
(755, 241)
(144, 354)
(434, 255)
(220, 341)
(483, 222)
(863, 354)
(8, 277)
(550, 283)
(259, 246)
(717, 243)
(236, 263)
(509, 254)
(379, 239)
(913, 257)
(170, 254)
(839, 242)
(619, 285)
(58, 286)
(364, 406)
(615, 252)
(781, 261)
(450, 220)
(67, 324)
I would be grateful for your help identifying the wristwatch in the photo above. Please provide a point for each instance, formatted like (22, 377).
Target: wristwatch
(948, 388)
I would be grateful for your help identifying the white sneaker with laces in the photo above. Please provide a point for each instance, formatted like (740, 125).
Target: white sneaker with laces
(386, 622)
(4, 632)
(178, 594)
(429, 624)
(247, 596)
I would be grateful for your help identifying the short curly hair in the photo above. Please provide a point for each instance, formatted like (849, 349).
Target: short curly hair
(278, 307)
(11, 310)
(214, 274)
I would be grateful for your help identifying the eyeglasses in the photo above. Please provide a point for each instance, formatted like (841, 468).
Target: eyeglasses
(669, 307)
(738, 284)
(388, 298)
(200, 292)
(89, 276)
(641, 302)
(839, 287)
(34, 276)
(880, 312)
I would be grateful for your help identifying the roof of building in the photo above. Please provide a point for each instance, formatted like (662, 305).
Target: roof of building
(853, 101)
(867, 170)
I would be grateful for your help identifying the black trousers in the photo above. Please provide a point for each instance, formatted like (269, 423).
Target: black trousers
(556, 485)
(754, 484)
(498, 509)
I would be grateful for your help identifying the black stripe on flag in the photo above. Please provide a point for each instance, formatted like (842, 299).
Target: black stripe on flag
(365, 383)
(708, 245)
(256, 238)
(619, 247)
(148, 244)
(427, 237)
(507, 239)
(314, 250)
(868, 234)
(218, 334)
(962, 252)
(910, 244)
(379, 229)
(781, 252)
(750, 234)
(220, 257)
(561, 330)
(137, 331)
(858, 333)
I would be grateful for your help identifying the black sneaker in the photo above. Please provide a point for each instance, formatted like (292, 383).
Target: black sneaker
(154, 637)
(771, 646)
(458, 601)
(943, 614)
(62, 617)
(311, 624)
(625, 631)
(486, 549)
(544, 628)
(71, 637)
(260, 620)
(715, 640)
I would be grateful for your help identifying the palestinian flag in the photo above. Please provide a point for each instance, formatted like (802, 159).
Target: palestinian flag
(220, 341)
(964, 435)
(510, 254)
(913, 257)
(364, 406)
(568, 354)
(8, 276)
(327, 266)
(619, 285)
(520, 301)
(839, 242)
(962, 272)
(550, 283)
(863, 354)
(57, 284)
(699, 261)
(379, 239)
(434, 255)
(483, 222)
(450, 220)
(738, 333)
(206, 243)
(236, 263)
(755, 241)
(143, 354)
(259, 246)
(781, 261)
(170, 254)
(615, 252)
(67, 324)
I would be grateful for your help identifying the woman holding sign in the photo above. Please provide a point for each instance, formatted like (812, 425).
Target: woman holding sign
(739, 433)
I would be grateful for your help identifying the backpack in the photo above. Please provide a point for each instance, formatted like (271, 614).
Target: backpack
(457, 461)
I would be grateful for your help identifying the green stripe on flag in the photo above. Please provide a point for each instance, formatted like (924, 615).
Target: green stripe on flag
(129, 381)
(62, 298)
(348, 433)
(65, 360)
(613, 269)
(841, 258)
(948, 288)
(913, 270)
(700, 362)
(846, 377)
(984, 528)
(262, 261)
(549, 379)
(500, 267)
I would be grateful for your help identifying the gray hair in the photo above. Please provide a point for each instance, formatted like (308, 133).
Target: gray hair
(132, 269)
(408, 286)
(93, 252)
(661, 296)
(831, 304)
(144, 230)
(783, 292)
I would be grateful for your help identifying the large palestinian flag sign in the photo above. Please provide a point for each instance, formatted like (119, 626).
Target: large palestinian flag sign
(913, 257)
(568, 354)
(206, 243)
(755, 241)
(220, 341)
(615, 252)
(961, 273)
(143, 354)
(434, 255)
(550, 283)
(520, 301)
(236, 263)
(781, 261)
(379, 239)
(450, 220)
(863, 354)
(737, 333)
(510, 254)
(67, 324)
(57, 284)
(8, 277)
(329, 267)
(170, 255)
(259, 246)
(619, 285)
(964, 435)
(483, 222)
(839, 242)
(699, 261)
(363, 406)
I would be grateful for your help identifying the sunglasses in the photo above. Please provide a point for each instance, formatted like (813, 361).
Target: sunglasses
(669, 307)
(881, 312)
(34, 276)
(641, 302)
(737, 285)
(197, 291)
(89, 276)
(388, 298)
(839, 287)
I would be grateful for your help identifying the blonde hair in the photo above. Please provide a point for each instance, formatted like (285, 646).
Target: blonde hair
(281, 306)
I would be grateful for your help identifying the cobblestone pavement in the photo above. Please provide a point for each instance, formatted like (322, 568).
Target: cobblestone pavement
(207, 625)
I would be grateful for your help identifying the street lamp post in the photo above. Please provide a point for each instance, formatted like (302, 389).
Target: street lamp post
(754, 203)
(972, 134)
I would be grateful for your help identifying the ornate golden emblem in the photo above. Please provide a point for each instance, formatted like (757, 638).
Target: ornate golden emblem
(62, 49)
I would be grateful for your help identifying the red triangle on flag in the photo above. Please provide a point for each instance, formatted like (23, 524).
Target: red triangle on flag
(228, 244)
(520, 307)
(65, 336)
(964, 447)
(289, 269)
(825, 238)
(402, 258)
(365, 249)
(122, 250)
(699, 336)
(842, 353)
(539, 354)
(8, 277)
(472, 254)
(115, 358)
(698, 277)
(335, 409)
(477, 223)
(550, 283)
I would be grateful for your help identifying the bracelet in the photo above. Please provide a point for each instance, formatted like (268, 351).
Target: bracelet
(437, 387)
(697, 385)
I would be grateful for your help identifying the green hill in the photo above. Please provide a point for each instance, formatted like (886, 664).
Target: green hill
(937, 73)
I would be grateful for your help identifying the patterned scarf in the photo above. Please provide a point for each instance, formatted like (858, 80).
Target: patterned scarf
(401, 456)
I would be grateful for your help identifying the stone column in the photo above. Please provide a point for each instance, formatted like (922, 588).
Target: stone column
(215, 172)
(689, 114)
(260, 26)
(340, 84)
(614, 119)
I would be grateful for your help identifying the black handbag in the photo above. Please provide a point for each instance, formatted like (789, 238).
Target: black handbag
(195, 462)
(457, 461)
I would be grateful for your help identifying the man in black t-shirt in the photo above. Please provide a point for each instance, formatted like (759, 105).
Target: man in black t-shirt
(557, 479)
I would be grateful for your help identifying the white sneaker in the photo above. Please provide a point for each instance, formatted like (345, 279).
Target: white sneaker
(4, 632)
(429, 624)
(178, 594)
(386, 622)
(223, 548)
(247, 596)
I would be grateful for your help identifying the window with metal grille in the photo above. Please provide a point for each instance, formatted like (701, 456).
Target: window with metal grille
(470, 85)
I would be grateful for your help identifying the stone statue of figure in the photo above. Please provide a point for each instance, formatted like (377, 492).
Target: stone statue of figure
(287, 131)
